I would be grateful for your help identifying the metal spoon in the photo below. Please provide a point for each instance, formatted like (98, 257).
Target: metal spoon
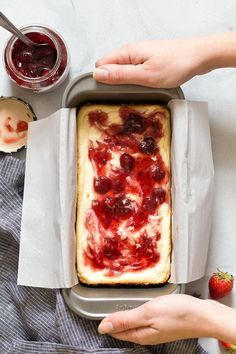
(5, 23)
(39, 49)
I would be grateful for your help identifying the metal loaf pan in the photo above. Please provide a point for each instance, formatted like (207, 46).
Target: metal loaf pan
(97, 302)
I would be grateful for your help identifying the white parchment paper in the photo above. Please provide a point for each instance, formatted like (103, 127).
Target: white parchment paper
(47, 247)
(192, 189)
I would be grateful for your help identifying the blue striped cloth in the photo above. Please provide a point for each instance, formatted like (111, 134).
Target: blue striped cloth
(35, 320)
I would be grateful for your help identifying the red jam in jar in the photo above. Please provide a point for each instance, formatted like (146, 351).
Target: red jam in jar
(40, 68)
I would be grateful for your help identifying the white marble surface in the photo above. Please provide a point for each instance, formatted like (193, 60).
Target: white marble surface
(92, 28)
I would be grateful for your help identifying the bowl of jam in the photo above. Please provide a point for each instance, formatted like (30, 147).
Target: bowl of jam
(40, 68)
(15, 116)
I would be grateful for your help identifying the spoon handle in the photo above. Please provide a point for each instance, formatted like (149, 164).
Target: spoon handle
(5, 23)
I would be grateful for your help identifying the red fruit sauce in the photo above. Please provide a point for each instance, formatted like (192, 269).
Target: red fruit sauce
(21, 126)
(143, 173)
(118, 256)
(39, 68)
(17, 133)
(32, 61)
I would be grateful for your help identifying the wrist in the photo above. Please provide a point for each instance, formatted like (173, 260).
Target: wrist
(203, 319)
(220, 320)
(216, 51)
(200, 55)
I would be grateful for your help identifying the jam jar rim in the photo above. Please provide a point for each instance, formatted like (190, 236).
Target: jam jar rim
(48, 31)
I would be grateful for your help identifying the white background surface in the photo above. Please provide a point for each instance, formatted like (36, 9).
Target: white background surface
(92, 28)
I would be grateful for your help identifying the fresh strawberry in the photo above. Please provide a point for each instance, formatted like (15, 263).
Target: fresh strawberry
(228, 346)
(220, 284)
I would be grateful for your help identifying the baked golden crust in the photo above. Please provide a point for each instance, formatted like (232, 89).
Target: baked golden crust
(88, 230)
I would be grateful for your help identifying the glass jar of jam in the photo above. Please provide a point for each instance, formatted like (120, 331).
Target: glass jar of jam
(38, 69)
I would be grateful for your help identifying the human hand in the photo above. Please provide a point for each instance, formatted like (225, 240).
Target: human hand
(162, 64)
(163, 319)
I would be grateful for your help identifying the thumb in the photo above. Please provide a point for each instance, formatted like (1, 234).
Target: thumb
(122, 74)
(141, 335)
(123, 321)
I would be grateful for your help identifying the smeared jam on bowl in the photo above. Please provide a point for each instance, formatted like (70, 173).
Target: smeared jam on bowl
(15, 115)
(16, 133)
(126, 194)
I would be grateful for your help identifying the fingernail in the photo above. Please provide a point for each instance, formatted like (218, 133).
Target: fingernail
(100, 74)
(105, 327)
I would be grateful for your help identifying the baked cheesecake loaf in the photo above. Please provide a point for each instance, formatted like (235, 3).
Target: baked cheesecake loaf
(123, 205)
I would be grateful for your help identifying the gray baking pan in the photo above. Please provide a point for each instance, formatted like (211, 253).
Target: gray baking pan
(85, 89)
(97, 302)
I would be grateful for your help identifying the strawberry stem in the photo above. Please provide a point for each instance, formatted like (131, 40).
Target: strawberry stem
(224, 275)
